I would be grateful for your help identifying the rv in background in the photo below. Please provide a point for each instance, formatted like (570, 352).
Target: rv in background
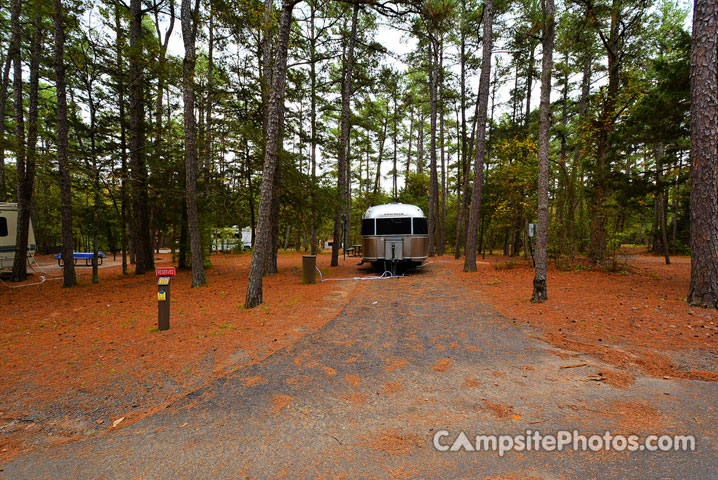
(394, 233)
(8, 234)
(232, 238)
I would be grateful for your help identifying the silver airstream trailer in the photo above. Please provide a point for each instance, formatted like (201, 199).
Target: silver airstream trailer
(394, 233)
(8, 232)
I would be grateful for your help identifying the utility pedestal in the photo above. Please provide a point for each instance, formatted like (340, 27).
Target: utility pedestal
(163, 297)
(163, 303)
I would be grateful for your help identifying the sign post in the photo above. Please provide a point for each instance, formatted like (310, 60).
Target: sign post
(163, 297)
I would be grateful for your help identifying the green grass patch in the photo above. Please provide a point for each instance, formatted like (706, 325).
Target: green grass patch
(506, 265)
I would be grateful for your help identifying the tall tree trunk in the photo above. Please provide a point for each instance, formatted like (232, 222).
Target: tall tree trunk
(582, 116)
(4, 83)
(269, 264)
(601, 190)
(189, 33)
(467, 167)
(529, 86)
(461, 169)
(395, 133)
(540, 292)
(69, 279)
(433, 176)
(25, 169)
(483, 104)
(565, 184)
(676, 196)
(344, 183)
(408, 153)
(119, 45)
(208, 144)
(161, 77)
(270, 261)
(93, 166)
(275, 117)
(661, 203)
(313, 140)
(442, 214)
(420, 145)
(184, 233)
(140, 214)
(381, 142)
(704, 156)
(459, 198)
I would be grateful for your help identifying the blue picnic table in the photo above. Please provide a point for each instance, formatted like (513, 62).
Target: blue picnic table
(86, 256)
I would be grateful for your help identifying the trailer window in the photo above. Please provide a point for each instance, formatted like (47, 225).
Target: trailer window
(393, 226)
(3, 227)
(367, 226)
(420, 226)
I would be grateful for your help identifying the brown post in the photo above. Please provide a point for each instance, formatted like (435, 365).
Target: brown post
(309, 268)
(163, 303)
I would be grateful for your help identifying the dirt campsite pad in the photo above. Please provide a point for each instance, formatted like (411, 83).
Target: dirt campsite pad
(361, 393)
(73, 361)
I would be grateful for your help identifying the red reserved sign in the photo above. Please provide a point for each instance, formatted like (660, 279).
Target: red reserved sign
(165, 272)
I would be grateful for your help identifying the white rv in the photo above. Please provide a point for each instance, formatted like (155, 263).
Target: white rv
(232, 238)
(8, 234)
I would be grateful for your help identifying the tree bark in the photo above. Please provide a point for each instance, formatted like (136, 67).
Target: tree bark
(601, 190)
(483, 103)
(119, 45)
(661, 203)
(94, 168)
(466, 165)
(270, 261)
(395, 135)
(189, 34)
(313, 139)
(442, 213)
(459, 198)
(161, 62)
(24, 169)
(140, 214)
(433, 176)
(209, 140)
(275, 117)
(529, 86)
(69, 279)
(420, 144)
(381, 142)
(574, 232)
(408, 153)
(343, 182)
(4, 83)
(676, 196)
(461, 169)
(540, 293)
(704, 156)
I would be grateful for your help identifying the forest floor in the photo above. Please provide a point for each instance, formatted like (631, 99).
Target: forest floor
(634, 317)
(361, 394)
(74, 362)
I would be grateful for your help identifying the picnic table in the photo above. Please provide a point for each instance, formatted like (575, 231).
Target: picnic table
(86, 256)
(355, 251)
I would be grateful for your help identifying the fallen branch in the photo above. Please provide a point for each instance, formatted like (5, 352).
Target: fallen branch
(574, 365)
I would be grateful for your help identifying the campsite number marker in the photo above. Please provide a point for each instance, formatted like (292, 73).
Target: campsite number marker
(163, 296)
